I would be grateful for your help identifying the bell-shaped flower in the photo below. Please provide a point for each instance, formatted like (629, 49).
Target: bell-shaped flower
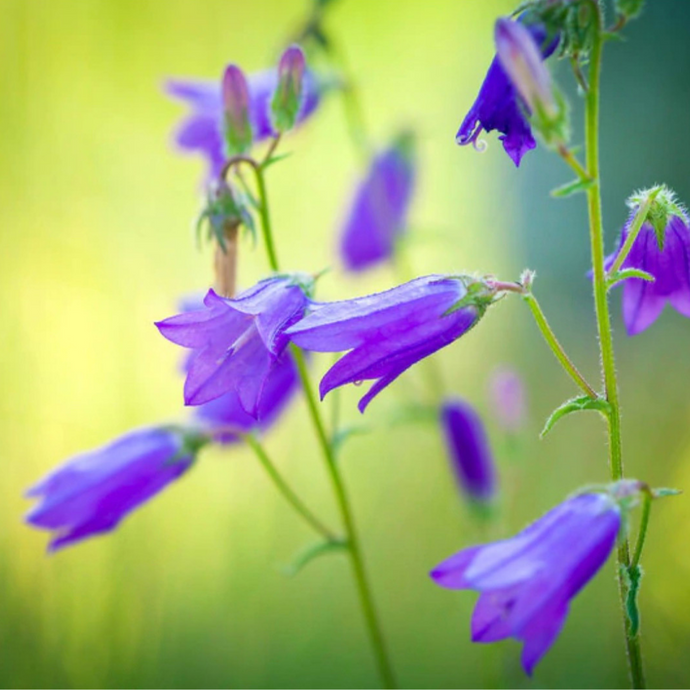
(202, 130)
(91, 493)
(498, 106)
(664, 253)
(386, 333)
(468, 449)
(526, 582)
(236, 343)
(378, 213)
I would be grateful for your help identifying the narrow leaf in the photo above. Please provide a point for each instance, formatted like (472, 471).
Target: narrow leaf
(571, 188)
(632, 576)
(580, 404)
(275, 159)
(663, 492)
(628, 273)
(307, 555)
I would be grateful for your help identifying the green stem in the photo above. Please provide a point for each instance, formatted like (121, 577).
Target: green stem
(642, 533)
(634, 654)
(282, 486)
(634, 231)
(346, 513)
(555, 345)
(354, 549)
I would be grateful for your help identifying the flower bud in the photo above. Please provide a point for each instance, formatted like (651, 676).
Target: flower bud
(287, 98)
(238, 129)
(663, 206)
(521, 59)
(507, 394)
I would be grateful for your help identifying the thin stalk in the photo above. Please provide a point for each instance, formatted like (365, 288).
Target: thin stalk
(284, 488)
(632, 641)
(556, 347)
(642, 533)
(353, 545)
(633, 232)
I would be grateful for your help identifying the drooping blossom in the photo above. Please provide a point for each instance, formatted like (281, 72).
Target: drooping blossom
(498, 106)
(201, 131)
(91, 493)
(468, 449)
(378, 213)
(387, 332)
(236, 343)
(664, 254)
(507, 394)
(526, 582)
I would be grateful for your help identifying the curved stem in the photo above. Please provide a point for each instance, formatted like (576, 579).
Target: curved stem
(633, 232)
(642, 533)
(353, 546)
(634, 654)
(282, 486)
(356, 559)
(555, 345)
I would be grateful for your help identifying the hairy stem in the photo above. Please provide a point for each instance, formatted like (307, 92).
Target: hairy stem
(632, 640)
(633, 232)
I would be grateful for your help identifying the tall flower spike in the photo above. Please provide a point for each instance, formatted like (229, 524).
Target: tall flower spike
(378, 213)
(236, 343)
(661, 249)
(288, 95)
(497, 106)
(91, 493)
(202, 130)
(526, 582)
(468, 449)
(386, 333)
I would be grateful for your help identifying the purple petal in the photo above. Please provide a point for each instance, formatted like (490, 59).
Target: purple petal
(451, 572)
(541, 634)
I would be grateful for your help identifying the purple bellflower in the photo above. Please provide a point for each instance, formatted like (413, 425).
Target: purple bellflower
(202, 130)
(468, 449)
(386, 333)
(526, 582)
(91, 493)
(507, 394)
(378, 213)
(498, 106)
(236, 343)
(663, 252)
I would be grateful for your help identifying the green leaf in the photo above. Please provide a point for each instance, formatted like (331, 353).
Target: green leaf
(275, 159)
(632, 577)
(570, 188)
(342, 435)
(307, 555)
(663, 492)
(628, 273)
(580, 404)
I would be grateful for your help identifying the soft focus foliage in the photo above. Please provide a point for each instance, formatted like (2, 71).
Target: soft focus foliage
(96, 244)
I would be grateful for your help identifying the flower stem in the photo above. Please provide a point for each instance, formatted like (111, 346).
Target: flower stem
(634, 231)
(353, 546)
(555, 345)
(352, 538)
(282, 486)
(642, 533)
(632, 640)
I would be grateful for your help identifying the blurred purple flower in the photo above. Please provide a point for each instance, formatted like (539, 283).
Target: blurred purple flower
(387, 332)
(91, 493)
(507, 394)
(643, 301)
(468, 449)
(527, 582)
(236, 343)
(202, 130)
(378, 213)
(497, 106)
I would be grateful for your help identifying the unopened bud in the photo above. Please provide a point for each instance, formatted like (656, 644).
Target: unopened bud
(287, 98)
(238, 129)
(521, 59)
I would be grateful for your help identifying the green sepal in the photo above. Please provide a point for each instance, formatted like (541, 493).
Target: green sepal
(570, 188)
(313, 551)
(663, 492)
(192, 439)
(584, 402)
(275, 159)
(630, 9)
(632, 576)
(628, 273)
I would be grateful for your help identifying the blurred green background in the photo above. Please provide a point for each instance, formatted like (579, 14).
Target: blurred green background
(96, 244)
